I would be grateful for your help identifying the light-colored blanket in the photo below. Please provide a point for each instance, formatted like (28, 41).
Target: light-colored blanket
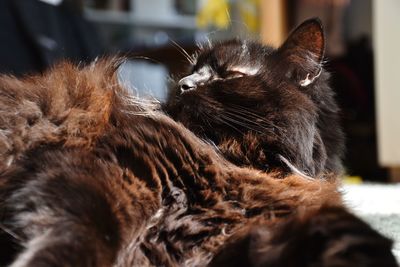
(379, 205)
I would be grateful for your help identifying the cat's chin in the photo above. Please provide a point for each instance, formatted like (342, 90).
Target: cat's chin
(188, 93)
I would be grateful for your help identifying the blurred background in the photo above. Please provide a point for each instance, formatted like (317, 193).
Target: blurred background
(362, 42)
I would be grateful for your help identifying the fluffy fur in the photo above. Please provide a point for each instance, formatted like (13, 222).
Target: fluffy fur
(265, 107)
(92, 176)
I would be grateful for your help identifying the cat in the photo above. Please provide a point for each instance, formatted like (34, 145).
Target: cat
(271, 109)
(92, 176)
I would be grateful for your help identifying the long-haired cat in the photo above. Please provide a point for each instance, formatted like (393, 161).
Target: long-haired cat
(91, 176)
(271, 109)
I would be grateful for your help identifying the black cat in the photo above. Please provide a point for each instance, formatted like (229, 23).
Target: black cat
(271, 109)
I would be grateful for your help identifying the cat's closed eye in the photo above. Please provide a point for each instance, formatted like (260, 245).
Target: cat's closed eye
(240, 71)
(231, 74)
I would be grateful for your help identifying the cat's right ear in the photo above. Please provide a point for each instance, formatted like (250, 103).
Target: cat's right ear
(303, 51)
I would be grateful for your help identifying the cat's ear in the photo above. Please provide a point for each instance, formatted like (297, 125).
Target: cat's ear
(303, 52)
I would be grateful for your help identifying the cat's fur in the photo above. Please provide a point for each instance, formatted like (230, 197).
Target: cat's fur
(263, 107)
(91, 176)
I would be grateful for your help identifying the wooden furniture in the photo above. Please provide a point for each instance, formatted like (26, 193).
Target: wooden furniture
(273, 22)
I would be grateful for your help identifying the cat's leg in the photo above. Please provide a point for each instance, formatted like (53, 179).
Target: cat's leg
(328, 237)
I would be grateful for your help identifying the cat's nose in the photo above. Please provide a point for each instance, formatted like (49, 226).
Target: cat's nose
(187, 84)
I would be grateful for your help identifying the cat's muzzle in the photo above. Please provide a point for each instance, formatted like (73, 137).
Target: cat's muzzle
(187, 83)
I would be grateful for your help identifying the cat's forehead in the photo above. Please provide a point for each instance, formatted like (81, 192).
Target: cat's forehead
(234, 52)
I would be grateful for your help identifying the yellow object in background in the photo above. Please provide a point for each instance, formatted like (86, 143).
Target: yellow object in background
(249, 11)
(214, 12)
(352, 180)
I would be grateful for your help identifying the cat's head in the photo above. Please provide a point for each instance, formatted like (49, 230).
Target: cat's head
(264, 107)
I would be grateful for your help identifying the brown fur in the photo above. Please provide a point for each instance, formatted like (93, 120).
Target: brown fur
(92, 176)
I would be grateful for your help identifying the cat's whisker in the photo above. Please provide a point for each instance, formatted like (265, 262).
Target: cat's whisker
(206, 43)
(240, 24)
(228, 124)
(249, 114)
(244, 125)
(206, 116)
(236, 108)
(145, 58)
(261, 127)
(237, 119)
(11, 233)
(207, 119)
(183, 52)
(249, 119)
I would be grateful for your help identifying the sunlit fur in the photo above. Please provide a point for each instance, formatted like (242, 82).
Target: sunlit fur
(93, 176)
(90, 176)
(260, 105)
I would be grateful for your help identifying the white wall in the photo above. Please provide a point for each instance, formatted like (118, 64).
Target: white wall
(386, 38)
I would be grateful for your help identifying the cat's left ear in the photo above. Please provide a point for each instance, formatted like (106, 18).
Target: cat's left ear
(303, 52)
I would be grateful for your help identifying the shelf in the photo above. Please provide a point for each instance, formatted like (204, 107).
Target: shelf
(126, 18)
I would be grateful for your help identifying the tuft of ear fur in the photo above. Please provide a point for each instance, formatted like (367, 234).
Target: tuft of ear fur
(303, 52)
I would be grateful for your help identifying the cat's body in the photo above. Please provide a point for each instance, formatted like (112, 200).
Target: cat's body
(91, 176)
(263, 107)
(90, 167)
